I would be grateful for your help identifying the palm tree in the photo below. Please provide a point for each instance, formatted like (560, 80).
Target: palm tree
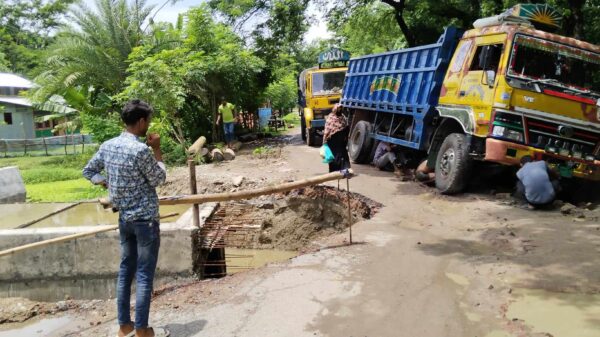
(92, 53)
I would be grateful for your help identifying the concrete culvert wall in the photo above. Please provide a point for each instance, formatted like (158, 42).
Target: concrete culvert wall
(292, 221)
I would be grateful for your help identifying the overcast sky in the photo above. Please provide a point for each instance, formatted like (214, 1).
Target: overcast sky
(169, 13)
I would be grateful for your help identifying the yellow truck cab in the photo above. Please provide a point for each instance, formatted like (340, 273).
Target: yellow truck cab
(524, 91)
(320, 89)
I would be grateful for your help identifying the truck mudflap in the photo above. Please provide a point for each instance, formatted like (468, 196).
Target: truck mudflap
(508, 153)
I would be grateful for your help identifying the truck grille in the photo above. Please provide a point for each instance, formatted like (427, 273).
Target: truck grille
(561, 139)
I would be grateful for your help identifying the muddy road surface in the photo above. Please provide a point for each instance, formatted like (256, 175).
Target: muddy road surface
(425, 265)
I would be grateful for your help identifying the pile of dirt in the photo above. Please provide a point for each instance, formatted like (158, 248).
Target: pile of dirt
(292, 221)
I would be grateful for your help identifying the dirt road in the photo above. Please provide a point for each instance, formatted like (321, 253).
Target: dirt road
(425, 266)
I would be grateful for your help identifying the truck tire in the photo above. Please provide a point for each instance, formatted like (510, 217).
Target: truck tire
(360, 143)
(310, 137)
(453, 164)
(303, 127)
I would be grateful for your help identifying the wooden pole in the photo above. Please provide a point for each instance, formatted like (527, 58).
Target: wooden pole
(194, 191)
(68, 238)
(45, 145)
(57, 240)
(200, 199)
(349, 209)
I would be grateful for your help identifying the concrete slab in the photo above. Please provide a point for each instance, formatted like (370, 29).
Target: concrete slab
(94, 259)
(13, 188)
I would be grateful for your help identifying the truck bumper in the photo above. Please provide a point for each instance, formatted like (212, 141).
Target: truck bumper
(509, 153)
(317, 123)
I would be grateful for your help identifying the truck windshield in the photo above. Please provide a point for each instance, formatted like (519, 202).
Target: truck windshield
(563, 66)
(328, 83)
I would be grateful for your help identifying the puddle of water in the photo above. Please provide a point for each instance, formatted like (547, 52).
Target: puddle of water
(560, 314)
(43, 327)
(89, 214)
(239, 259)
(14, 215)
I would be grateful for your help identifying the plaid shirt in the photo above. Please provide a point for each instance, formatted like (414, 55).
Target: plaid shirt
(133, 175)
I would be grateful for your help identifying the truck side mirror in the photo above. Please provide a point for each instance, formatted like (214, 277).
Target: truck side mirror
(491, 77)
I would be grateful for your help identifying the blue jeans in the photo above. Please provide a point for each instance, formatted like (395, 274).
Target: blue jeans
(229, 132)
(140, 241)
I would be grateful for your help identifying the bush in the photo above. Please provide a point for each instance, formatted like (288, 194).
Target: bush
(173, 152)
(102, 128)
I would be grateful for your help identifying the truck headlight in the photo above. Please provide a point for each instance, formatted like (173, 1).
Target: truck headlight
(504, 132)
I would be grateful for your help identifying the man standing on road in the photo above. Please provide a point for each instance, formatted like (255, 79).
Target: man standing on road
(535, 184)
(133, 172)
(228, 115)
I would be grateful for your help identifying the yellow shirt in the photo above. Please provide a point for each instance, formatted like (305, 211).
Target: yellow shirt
(227, 112)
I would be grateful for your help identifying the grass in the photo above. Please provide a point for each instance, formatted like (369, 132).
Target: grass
(55, 178)
(63, 191)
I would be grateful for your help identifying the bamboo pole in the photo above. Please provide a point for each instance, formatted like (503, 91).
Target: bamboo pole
(194, 191)
(200, 199)
(57, 240)
(68, 237)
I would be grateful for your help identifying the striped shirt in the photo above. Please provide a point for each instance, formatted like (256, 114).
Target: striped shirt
(133, 175)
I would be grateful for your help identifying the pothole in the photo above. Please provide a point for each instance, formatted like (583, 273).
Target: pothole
(277, 227)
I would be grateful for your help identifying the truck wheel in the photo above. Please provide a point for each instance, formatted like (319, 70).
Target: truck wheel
(310, 137)
(303, 127)
(453, 164)
(360, 143)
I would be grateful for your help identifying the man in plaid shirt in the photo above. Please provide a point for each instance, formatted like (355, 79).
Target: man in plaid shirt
(133, 171)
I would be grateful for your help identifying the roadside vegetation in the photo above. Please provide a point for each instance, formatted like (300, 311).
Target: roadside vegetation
(98, 54)
(55, 178)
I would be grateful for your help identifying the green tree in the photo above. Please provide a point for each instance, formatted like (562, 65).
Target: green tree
(282, 93)
(93, 52)
(183, 80)
(26, 28)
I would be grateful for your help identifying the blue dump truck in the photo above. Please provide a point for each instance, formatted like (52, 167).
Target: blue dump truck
(392, 97)
(506, 89)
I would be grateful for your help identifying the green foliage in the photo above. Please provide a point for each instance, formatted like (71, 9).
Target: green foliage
(49, 174)
(261, 150)
(183, 80)
(26, 28)
(56, 178)
(101, 128)
(94, 54)
(283, 93)
(292, 118)
(369, 29)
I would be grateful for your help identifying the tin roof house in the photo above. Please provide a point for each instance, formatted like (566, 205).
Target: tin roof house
(16, 112)
(22, 119)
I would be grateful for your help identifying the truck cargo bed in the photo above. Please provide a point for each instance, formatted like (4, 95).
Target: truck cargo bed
(405, 81)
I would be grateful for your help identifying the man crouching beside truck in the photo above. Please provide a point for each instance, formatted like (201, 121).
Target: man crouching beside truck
(133, 172)
(537, 183)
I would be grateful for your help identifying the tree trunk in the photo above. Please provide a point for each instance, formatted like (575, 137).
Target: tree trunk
(573, 23)
(399, 6)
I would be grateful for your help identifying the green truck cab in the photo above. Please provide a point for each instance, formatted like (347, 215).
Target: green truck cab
(320, 88)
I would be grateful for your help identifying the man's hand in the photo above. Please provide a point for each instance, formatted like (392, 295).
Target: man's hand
(103, 184)
(153, 140)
